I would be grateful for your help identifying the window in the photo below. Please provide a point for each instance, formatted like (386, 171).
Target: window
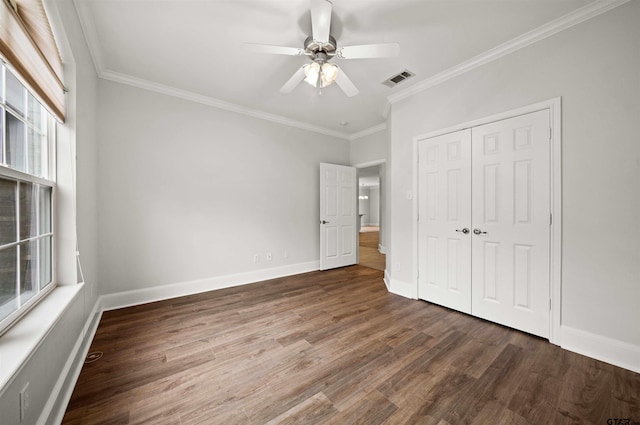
(27, 135)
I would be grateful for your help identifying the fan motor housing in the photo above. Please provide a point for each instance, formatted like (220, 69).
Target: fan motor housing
(313, 47)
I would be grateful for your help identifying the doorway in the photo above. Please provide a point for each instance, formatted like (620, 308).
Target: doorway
(370, 217)
(500, 270)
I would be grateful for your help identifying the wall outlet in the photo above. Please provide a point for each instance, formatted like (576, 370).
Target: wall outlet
(256, 258)
(24, 401)
(268, 256)
(286, 254)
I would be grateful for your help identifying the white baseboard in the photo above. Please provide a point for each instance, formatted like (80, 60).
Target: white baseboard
(608, 350)
(174, 290)
(58, 400)
(387, 280)
(403, 289)
(382, 249)
(612, 351)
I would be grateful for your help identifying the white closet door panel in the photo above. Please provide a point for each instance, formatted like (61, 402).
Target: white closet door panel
(445, 207)
(511, 203)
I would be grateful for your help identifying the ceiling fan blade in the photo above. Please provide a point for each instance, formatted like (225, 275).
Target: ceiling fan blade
(320, 20)
(293, 82)
(345, 84)
(364, 51)
(278, 50)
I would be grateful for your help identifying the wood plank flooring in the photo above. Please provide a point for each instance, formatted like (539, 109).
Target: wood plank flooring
(369, 254)
(334, 347)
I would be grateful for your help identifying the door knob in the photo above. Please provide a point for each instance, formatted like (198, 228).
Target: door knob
(324, 222)
(465, 230)
(478, 232)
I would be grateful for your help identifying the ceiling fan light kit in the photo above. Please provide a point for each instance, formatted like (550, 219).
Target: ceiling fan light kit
(320, 76)
(321, 47)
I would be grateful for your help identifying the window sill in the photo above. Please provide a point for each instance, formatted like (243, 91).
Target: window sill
(19, 342)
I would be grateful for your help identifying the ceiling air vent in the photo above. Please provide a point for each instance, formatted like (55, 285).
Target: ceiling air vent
(393, 81)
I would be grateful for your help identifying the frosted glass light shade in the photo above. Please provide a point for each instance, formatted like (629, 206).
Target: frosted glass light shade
(311, 72)
(327, 73)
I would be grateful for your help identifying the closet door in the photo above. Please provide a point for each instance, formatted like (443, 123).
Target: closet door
(511, 222)
(444, 220)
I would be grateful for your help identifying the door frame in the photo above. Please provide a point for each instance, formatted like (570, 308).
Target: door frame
(383, 249)
(383, 186)
(554, 106)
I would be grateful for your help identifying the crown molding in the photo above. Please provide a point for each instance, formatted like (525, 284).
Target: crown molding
(216, 103)
(90, 34)
(587, 12)
(580, 15)
(368, 131)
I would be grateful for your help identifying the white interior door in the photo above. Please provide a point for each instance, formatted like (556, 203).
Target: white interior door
(338, 216)
(494, 180)
(444, 223)
(511, 222)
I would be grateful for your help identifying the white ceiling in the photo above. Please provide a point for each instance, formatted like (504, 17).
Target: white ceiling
(196, 47)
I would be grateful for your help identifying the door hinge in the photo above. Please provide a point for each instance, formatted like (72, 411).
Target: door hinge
(550, 219)
(550, 133)
(549, 304)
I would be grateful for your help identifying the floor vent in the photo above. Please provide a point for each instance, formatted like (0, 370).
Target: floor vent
(93, 357)
(398, 78)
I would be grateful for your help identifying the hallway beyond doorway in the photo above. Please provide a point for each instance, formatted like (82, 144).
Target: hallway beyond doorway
(369, 254)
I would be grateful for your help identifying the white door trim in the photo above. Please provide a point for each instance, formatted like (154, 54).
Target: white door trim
(554, 106)
(370, 163)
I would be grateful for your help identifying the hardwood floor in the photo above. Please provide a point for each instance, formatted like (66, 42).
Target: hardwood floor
(334, 347)
(369, 254)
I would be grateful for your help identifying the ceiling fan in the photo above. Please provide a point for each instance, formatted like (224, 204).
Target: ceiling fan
(321, 47)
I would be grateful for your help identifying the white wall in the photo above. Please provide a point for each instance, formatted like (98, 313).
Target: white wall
(363, 205)
(374, 206)
(595, 68)
(385, 207)
(190, 192)
(369, 148)
(370, 207)
(44, 369)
